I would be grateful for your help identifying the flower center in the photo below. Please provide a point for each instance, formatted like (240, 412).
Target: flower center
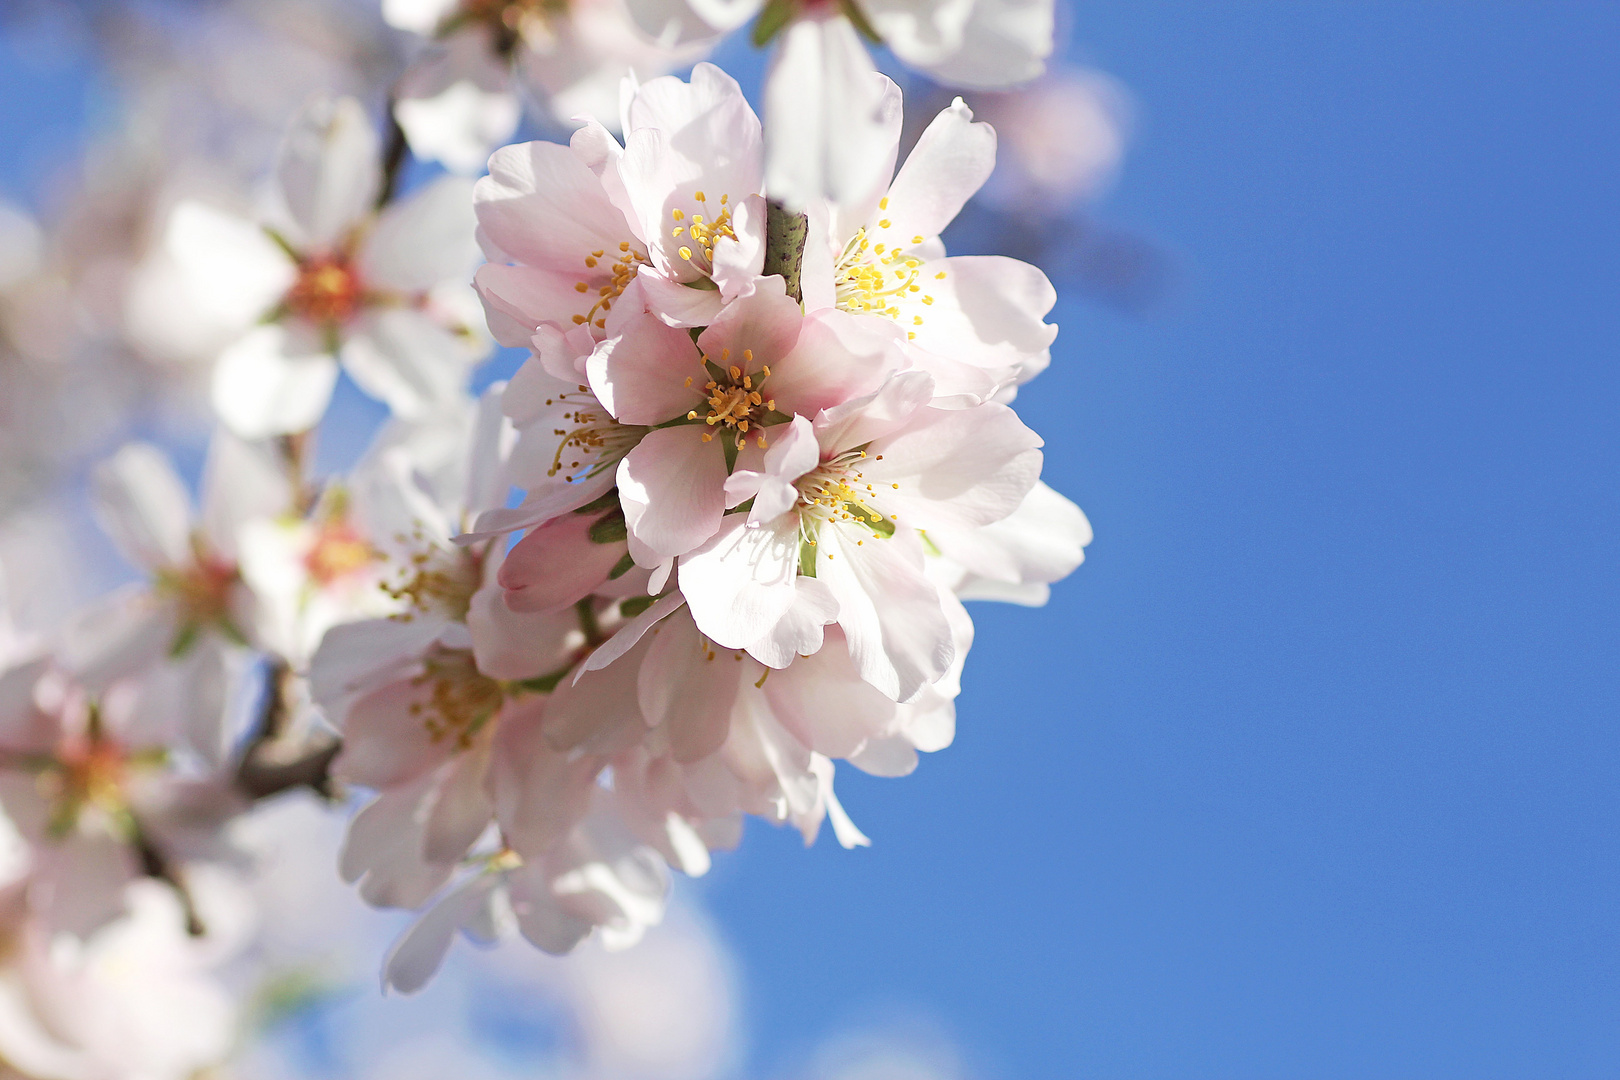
(621, 271)
(460, 699)
(202, 589)
(338, 551)
(734, 397)
(704, 230)
(327, 291)
(875, 275)
(510, 22)
(436, 581)
(594, 442)
(837, 490)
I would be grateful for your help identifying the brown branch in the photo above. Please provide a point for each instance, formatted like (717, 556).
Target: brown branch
(266, 767)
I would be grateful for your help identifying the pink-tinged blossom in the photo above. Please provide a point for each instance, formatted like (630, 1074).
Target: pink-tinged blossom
(760, 362)
(326, 279)
(975, 323)
(675, 211)
(885, 470)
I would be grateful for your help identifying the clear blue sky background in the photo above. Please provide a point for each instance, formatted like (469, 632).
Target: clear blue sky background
(1312, 769)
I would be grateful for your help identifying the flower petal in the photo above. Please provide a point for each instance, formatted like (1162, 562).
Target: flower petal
(672, 488)
(269, 383)
(328, 171)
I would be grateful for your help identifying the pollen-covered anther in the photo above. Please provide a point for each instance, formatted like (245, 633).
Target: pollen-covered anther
(459, 700)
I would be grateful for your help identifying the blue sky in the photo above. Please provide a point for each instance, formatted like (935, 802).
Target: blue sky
(1311, 770)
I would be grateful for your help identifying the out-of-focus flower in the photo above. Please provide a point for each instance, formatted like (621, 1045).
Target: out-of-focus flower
(185, 627)
(139, 999)
(462, 95)
(326, 277)
(1062, 139)
(825, 109)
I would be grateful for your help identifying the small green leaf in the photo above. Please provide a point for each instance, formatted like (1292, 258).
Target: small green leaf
(807, 558)
(621, 568)
(609, 530)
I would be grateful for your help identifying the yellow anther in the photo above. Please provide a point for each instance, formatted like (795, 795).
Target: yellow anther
(590, 261)
(686, 253)
(698, 195)
(580, 286)
(678, 214)
(675, 233)
(917, 239)
(883, 203)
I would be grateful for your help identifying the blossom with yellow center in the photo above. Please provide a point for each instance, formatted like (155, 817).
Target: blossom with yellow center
(875, 273)
(435, 580)
(622, 271)
(460, 699)
(327, 292)
(703, 230)
(735, 397)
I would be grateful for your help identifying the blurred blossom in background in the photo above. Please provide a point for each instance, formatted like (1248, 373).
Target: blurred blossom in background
(260, 963)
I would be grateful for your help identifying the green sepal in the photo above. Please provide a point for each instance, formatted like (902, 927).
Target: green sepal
(772, 18)
(621, 568)
(807, 558)
(728, 443)
(610, 529)
(184, 639)
(635, 605)
(540, 684)
(852, 11)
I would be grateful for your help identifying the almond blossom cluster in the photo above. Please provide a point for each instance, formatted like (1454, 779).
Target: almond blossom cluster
(762, 455)
(547, 642)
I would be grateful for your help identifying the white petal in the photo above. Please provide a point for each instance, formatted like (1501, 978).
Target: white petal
(1007, 42)
(460, 125)
(951, 161)
(424, 239)
(263, 387)
(830, 115)
(418, 954)
(141, 503)
(740, 583)
(230, 267)
(407, 360)
(328, 171)
(688, 688)
(672, 488)
(540, 794)
(955, 467)
(242, 482)
(1042, 541)
(626, 637)
(898, 635)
